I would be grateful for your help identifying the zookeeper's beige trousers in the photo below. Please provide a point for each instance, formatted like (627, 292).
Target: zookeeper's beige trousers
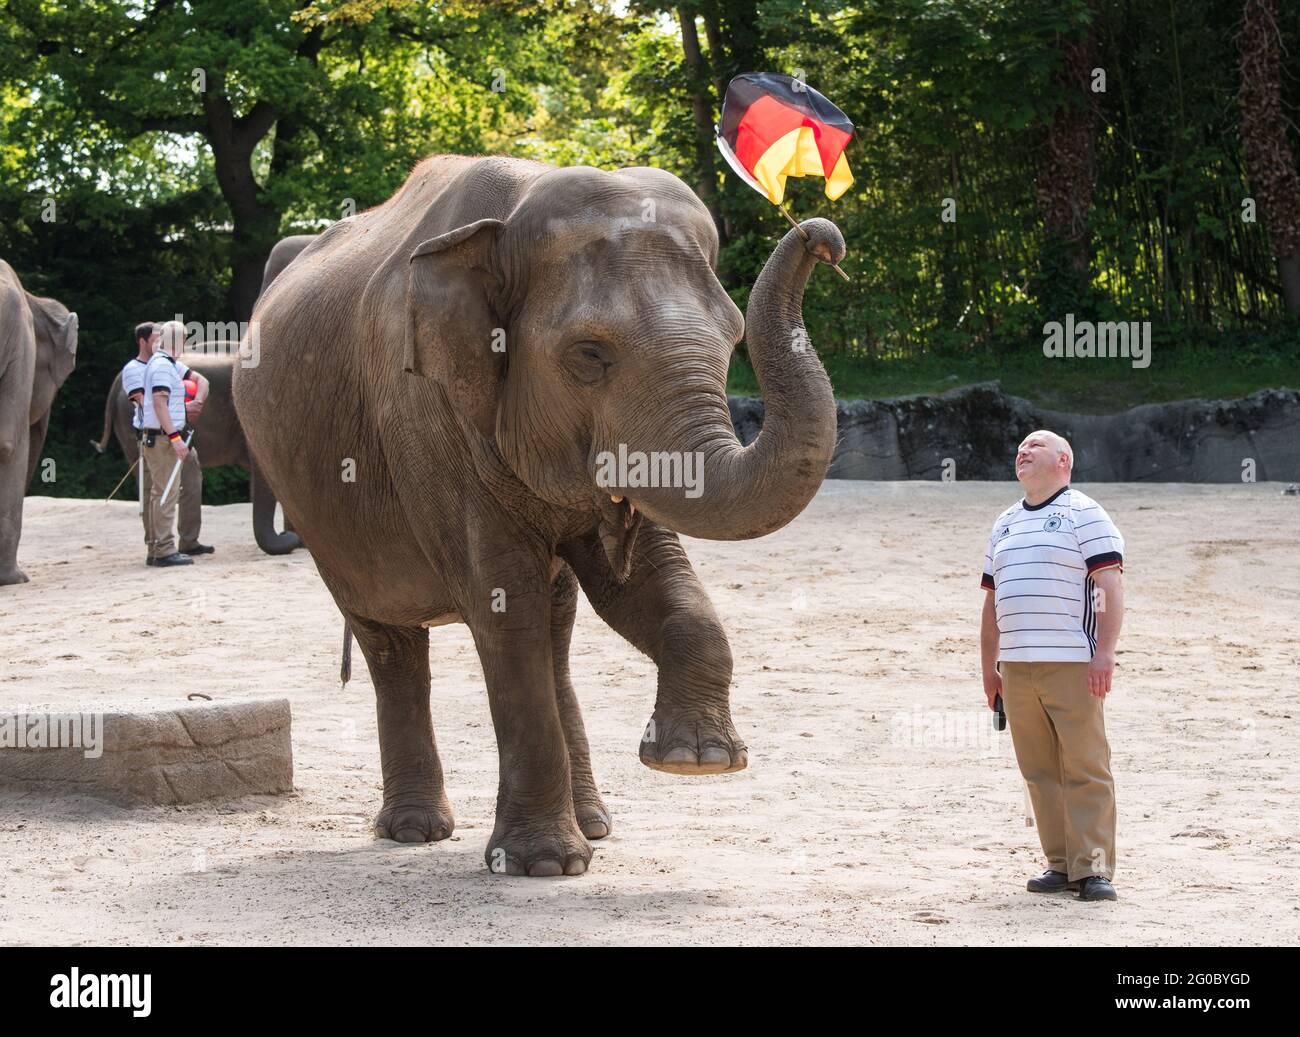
(187, 498)
(1059, 733)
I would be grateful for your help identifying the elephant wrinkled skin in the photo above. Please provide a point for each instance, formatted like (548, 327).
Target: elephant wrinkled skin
(38, 350)
(439, 380)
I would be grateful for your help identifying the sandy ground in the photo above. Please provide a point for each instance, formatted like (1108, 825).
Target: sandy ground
(861, 819)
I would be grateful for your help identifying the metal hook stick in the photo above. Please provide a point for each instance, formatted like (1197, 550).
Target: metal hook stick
(804, 234)
(122, 480)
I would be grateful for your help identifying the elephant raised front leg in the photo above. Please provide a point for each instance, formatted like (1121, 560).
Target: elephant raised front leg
(592, 814)
(664, 611)
(415, 803)
(536, 831)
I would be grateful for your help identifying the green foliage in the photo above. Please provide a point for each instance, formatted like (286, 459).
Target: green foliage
(952, 99)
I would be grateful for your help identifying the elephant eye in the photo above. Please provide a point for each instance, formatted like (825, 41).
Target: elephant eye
(588, 361)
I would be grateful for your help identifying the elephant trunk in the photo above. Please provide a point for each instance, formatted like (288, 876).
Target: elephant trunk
(264, 531)
(748, 492)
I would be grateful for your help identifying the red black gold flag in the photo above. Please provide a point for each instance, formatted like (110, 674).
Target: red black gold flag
(774, 126)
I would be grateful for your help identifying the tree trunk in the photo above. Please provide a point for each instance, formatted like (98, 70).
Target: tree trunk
(1269, 162)
(702, 109)
(1068, 170)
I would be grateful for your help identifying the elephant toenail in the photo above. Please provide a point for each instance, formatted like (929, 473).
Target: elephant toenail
(545, 869)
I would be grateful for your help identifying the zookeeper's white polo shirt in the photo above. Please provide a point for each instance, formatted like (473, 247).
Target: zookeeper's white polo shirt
(165, 373)
(1039, 564)
(133, 381)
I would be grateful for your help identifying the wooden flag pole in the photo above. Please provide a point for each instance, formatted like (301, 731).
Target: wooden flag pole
(804, 234)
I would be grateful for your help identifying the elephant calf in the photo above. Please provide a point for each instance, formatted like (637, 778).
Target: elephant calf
(38, 350)
(444, 383)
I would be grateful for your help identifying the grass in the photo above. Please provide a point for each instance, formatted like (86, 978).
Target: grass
(1085, 386)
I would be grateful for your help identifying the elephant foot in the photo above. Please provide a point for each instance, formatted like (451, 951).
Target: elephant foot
(538, 849)
(692, 744)
(592, 815)
(12, 576)
(415, 820)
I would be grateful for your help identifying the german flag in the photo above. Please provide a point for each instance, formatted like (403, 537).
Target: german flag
(774, 126)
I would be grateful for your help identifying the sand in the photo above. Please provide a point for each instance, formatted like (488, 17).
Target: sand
(879, 806)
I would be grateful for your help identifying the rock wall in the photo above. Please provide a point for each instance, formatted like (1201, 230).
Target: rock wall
(980, 426)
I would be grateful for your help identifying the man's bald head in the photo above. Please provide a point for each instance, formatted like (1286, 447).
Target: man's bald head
(171, 337)
(1044, 461)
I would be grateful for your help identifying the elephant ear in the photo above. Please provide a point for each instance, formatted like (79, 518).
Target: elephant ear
(451, 324)
(56, 330)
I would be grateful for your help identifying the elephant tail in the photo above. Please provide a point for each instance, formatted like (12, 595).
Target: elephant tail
(345, 668)
(102, 445)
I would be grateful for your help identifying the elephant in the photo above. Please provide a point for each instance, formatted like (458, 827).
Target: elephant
(218, 437)
(286, 250)
(443, 382)
(38, 350)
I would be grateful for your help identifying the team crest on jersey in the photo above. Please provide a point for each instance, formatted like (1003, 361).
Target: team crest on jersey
(1052, 524)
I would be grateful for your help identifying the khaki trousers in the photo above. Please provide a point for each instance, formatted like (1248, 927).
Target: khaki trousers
(1059, 733)
(185, 500)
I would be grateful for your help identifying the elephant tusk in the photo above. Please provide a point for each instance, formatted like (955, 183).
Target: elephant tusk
(616, 500)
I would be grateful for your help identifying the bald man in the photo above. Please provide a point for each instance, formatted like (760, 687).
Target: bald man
(1051, 619)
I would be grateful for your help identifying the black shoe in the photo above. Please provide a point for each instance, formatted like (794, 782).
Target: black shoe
(1095, 887)
(149, 560)
(174, 559)
(1051, 882)
(198, 549)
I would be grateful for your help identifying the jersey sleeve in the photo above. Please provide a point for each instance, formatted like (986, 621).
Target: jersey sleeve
(182, 370)
(986, 579)
(1100, 541)
(133, 379)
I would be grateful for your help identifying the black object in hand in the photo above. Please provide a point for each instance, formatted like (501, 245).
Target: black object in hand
(999, 715)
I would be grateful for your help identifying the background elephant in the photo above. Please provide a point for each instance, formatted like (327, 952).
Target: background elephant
(441, 378)
(286, 250)
(218, 437)
(38, 350)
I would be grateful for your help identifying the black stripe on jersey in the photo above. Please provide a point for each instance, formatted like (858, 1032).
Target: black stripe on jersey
(1034, 648)
(1008, 615)
(1076, 568)
(1046, 579)
(1031, 547)
(1055, 597)
(1089, 616)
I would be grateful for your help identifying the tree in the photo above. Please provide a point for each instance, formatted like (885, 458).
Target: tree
(1269, 161)
(289, 100)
